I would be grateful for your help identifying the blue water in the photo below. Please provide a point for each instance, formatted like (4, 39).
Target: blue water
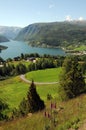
(15, 48)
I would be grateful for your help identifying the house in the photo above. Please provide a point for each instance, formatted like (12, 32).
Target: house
(32, 59)
(16, 58)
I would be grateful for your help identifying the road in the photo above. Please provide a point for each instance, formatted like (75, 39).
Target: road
(39, 83)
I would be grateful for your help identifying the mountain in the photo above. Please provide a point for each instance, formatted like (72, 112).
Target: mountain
(54, 34)
(3, 39)
(9, 32)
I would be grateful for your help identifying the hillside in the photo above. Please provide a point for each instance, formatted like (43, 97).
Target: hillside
(3, 39)
(9, 32)
(71, 115)
(60, 115)
(54, 34)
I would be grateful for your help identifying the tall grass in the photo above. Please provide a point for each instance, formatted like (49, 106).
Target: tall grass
(71, 116)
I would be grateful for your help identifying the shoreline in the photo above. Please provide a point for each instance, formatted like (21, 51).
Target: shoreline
(3, 47)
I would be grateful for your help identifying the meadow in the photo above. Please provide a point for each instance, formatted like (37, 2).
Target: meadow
(72, 114)
(46, 75)
(13, 90)
(80, 48)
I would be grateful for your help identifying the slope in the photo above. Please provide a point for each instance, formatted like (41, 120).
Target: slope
(54, 34)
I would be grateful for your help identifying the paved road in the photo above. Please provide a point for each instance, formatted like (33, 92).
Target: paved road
(40, 83)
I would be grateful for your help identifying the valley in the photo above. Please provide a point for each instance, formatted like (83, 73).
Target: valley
(42, 65)
(48, 62)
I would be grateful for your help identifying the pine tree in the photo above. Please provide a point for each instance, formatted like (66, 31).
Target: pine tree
(34, 101)
(3, 106)
(72, 82)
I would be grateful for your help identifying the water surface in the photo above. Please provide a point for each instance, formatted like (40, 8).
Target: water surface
(15, 48)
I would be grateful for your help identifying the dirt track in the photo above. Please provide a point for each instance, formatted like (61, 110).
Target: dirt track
(42, 83)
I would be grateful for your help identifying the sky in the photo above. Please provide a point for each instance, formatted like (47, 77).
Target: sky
(24, 12)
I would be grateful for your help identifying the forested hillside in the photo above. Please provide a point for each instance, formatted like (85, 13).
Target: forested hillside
(54, 34)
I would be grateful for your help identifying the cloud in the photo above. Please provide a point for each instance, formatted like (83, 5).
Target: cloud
(68, 18)
(51, 6)
(81, 19)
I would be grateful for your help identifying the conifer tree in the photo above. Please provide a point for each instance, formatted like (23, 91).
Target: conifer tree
(72, 81)
(34, 101)
(3, 106)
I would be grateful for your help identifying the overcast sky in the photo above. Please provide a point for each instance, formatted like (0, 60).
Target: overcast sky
(24, 12)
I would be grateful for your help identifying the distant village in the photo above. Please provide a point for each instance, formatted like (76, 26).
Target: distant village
(76, 52)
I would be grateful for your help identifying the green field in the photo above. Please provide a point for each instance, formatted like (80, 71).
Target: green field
(71, 116)
(47, 75)
(80, 48)
(13, 90)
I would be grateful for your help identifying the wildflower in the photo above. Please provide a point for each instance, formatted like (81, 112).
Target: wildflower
(51, 105)
(45, 114)
(48, 115)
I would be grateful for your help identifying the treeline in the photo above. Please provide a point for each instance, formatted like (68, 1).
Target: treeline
(41, 62)
(44, 63)
(9, 69)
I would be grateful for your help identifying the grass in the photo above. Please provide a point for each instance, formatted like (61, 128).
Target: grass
(80, 48)
(77, 48)
(13, 90)
(71, 116)
(47, 75)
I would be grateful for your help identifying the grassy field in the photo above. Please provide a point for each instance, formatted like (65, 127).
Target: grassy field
(13, 90)
(80, 48)
(47, 75)
(71, 116)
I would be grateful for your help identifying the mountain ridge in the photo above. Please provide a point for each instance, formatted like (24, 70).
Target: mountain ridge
(54, 33)
(9, 31)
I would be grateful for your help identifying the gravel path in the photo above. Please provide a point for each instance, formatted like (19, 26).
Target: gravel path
(39, 83)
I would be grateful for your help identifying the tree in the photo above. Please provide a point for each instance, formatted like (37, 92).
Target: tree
(33, 103)
(21, 69)
(3, 106)
(72, 81)
(22, 56)
(23, 107)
